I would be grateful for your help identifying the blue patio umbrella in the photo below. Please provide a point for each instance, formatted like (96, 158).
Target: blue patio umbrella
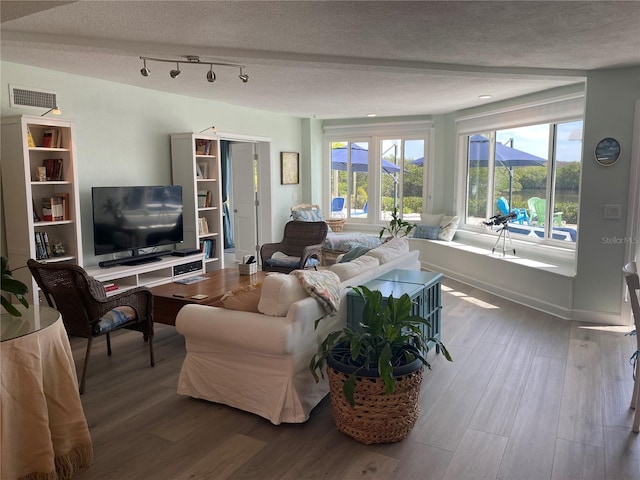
(507, 157)
(359, 160)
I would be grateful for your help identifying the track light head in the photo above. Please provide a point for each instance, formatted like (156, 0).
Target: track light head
(211, 75)
(176, 72)
(243, 76)
(55, 110)
(144, 71)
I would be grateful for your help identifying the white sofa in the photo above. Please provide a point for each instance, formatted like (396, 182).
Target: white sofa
(260, 363)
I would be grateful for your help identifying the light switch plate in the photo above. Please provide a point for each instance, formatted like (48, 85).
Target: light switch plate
(612, 212)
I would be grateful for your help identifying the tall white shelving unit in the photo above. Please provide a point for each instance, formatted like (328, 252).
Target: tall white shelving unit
(23, 193)
(195, 160)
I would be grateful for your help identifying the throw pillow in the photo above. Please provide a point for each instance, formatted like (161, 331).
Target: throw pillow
(427, 231)
(314, 215)
(279, 291)
(355, 267)
(354, 253)
(448, 227)
(244, 298)
(394, 248)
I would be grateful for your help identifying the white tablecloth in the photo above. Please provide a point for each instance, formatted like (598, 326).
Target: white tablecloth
(44, 432)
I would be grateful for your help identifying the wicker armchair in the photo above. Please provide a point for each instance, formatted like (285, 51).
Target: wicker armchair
(87, 311)
(301, 246)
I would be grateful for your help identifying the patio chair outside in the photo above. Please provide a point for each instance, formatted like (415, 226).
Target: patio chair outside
(337, 204)
(538, 209)
(522, 216)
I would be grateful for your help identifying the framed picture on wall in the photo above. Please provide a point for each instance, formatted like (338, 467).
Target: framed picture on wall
(289, 168)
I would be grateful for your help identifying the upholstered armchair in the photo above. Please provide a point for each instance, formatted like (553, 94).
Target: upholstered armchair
(87, 311)
(300, 247)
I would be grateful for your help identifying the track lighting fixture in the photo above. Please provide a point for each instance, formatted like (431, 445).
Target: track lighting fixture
(176, 72)
(243, 76)
(144, 70)
(55, 110)
(211, 76)
(192, 59)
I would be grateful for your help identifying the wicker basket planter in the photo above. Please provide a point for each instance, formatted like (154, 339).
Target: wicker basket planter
(376, 417)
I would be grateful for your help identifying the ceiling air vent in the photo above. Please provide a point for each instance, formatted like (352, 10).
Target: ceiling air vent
(25, 97)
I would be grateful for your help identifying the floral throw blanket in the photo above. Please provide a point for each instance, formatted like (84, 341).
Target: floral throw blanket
(323, 285)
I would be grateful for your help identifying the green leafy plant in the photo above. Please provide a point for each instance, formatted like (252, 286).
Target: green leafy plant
(397, 227)
(388, 336)
(13, 287)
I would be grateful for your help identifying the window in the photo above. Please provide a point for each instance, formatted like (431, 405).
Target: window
(374, 168)
(530, 174)
(402, 177)
(349, 179)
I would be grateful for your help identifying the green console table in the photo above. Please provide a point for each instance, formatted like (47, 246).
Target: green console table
(424, 289)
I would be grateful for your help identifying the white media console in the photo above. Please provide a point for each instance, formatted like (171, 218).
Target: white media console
(165, 270)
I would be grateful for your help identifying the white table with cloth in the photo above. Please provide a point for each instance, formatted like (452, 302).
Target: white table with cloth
(43, 430)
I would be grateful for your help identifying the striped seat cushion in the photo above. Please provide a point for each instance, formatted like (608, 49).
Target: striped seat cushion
(113, 319)
(290, 262)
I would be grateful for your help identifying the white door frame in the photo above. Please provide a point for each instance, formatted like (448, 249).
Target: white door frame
(263, 151)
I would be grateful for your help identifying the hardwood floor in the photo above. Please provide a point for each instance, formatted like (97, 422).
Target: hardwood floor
(528, 396)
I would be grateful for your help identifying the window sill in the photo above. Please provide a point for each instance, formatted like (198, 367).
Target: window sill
(558, 259)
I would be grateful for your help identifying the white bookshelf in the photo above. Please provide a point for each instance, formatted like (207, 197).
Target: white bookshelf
(23, 193)
(195, 160)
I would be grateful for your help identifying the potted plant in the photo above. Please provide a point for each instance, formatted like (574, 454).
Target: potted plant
(397, 227)
(375, 370)
(13, 287)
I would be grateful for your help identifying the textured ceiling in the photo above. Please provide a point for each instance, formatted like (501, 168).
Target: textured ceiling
(330, 59)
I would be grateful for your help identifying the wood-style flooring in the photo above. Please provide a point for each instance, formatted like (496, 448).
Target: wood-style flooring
(528, 396)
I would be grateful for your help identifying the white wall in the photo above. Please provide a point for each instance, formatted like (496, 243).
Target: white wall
(610, 109)
(122, 134)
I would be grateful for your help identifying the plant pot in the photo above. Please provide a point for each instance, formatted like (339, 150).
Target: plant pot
(376, 417)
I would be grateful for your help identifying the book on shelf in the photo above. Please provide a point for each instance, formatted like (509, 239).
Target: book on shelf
(41, 252)
(36, 217)
(202, 170)
(202, 198)
(53, 208)
(63, 198)
(208, 247)
(203, 147)
(53, 167)
(203, 226)
(110, 287)
(207, 201)
(49, 138)
(46, 244)
(30, 141)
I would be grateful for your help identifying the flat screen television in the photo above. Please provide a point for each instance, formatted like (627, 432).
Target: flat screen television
(135, 218)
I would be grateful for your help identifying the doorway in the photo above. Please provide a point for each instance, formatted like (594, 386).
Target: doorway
(247, 183)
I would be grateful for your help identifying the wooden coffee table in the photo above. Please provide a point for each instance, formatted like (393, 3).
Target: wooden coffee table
(171, 297)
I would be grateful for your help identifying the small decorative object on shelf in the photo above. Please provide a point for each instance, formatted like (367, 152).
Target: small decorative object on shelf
(58, 249)
(41, 174)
